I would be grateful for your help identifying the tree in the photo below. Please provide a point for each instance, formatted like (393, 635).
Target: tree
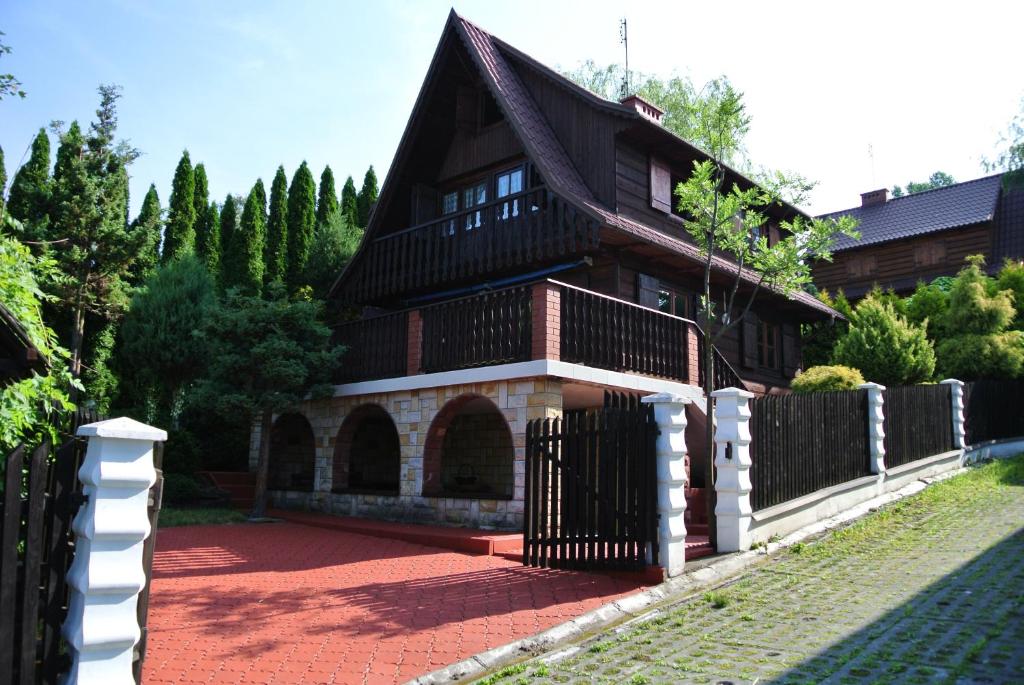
(3, 185)
(350, 202)
(327, 197)
(276, 258)
(149, 225)
(8, 84)
(228, 229)
(1011, 278)
(161, 338)
(90, 198)
(201, 194)
(245, 269)
(1010, 158)
(301, 222)
(727, 222)
(208, 238)
(334, 243)
(29, 198)
(684, 107)
(367, 197)
(818, 340)
(180, 235)
(939, 179)
(265, 355)
(884, 346)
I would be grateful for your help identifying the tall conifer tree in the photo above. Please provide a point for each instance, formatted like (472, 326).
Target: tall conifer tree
(228, 229)
(301, 223)
(201, 196)
(276, 257)
(29, 200)
(367, 196)
(327, 197)
(350, 202)
(3, 180)
(208, 239)
(248, 243)
(180, 233)
(149, 223)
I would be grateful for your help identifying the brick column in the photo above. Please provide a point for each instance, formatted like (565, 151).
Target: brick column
(956, 395)
(670, 467)
(876, 425)
(693, 360)
(414, 349)
(732, 460)
(547, 321)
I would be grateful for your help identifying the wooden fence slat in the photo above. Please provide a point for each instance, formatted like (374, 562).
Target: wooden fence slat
(10, 535)
(31, 560)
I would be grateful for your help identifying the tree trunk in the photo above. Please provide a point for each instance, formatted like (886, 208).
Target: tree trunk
(77, 342)
(259, 502)
(709, 434)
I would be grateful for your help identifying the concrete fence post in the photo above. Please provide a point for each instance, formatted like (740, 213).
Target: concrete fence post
(670, 414)
(956, 394)
(107, 573)
(876, 425)
(732, 462)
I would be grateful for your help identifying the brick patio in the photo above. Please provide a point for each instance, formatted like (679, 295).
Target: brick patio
(287, 603)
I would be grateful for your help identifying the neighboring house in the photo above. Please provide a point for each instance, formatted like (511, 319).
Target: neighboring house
(523, 258)
(925, 235)
(18, 356)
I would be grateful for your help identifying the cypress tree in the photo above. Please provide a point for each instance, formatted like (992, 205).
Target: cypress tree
(68, 151)
(180, 234)
(301, 222)
(29, 200)
(276, 258)
(327, 198)
(228, 229)
(367, 196)
(248, 243)
(150, 224)
(3, 182)
(201, 196)
(350, 202)
(208, 239)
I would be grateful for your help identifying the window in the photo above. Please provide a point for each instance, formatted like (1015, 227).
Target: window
(767, 345)
(930, 254)
(673, 184)
(474, 196)
(861, 266)
(449, 205)
(677, 302)
(509, 183)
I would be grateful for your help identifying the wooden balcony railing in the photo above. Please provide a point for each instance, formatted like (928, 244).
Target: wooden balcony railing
(377, 348)
(724, 375)
(523, 229)
(482, 330)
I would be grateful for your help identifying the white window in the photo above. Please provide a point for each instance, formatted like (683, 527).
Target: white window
(509, 183)
(473, 196)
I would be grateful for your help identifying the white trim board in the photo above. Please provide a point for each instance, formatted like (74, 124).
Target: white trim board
(530, 369)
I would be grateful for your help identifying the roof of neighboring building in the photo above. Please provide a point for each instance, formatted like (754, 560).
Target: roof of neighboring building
(940, 209)
(18, 355)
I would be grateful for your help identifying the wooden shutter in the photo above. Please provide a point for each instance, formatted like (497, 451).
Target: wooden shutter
(790, 350)
(661, 185)
(749, 340)
(647, 290)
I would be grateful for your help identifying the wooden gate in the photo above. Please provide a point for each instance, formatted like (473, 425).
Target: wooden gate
(591, 497)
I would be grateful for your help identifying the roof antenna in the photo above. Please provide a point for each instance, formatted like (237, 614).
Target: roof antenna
(624, 39)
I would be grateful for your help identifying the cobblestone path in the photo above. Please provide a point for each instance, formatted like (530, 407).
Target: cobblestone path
(927, 590)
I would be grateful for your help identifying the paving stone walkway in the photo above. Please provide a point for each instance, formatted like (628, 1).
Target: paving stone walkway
(928, 590)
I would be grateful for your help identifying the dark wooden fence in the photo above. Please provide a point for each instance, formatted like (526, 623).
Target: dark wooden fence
(612, 334)
(491, 328)
(994, 410)
(155, 502)
(377, 348)
(591, 492)
(803, 443)
(520, 230)
(918, 423)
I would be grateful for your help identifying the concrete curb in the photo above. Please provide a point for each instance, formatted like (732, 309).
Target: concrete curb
(657, 599)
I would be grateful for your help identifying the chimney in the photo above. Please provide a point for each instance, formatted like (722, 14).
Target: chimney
(646, 109)
(874, 197)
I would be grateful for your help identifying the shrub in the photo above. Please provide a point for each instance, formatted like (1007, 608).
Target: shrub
(827, 378)
(885, 347)
(973, 356)
(179, 488)
(928, 307)
(1011, 277)
(975, 306)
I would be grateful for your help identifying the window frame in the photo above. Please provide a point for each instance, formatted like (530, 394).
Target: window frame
(768, 343)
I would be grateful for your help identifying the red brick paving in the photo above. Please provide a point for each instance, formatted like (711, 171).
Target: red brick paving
(286, 603)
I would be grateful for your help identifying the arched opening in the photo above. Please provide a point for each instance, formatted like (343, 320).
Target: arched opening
(469, 451)
(292, 454)
(367, 453)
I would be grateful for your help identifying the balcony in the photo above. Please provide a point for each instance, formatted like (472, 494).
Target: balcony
(529, 228)
(543, 320)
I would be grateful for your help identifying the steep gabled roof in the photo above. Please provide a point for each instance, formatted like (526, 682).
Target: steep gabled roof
(940, 209)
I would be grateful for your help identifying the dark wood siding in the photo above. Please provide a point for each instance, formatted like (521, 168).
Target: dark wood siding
(471, 151)
(898, 264)
(633, 191)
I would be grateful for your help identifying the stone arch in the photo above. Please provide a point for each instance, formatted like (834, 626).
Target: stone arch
(292, 454)
(367, 452)
(469, 451)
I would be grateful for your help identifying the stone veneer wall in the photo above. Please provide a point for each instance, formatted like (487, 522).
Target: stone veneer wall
(478, 446)
(413, 411)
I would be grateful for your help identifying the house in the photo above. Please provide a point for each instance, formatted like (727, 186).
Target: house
(19, 358)
(522, 259)
(925, 235)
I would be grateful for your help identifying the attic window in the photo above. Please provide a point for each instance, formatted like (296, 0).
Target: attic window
(490, 113)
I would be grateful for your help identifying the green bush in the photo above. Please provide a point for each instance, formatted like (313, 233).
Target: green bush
(885, 347)
(827, 378)
(179, 487)
(1011, 277)
(973, 356)
(928, 307)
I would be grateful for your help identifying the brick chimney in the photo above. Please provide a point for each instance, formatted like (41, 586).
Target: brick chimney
(874, 197)
(646, 109)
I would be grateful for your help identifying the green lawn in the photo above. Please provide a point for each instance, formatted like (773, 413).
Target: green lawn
(169, 516)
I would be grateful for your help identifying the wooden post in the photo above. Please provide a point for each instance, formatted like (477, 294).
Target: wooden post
(111, 528)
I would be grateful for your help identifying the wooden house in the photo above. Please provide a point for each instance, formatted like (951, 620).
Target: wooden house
(523, 258)
(19, 358)
(925, 235)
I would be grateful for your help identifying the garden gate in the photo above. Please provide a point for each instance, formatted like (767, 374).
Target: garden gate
(591, 497)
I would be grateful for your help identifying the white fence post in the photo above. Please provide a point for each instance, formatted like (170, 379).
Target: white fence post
(732, 462)
(670, 414)
(956, 394)
(876, 425)
(107, 574)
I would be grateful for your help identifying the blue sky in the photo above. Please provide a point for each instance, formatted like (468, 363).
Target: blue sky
(246, 86)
